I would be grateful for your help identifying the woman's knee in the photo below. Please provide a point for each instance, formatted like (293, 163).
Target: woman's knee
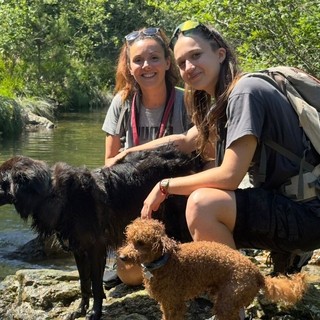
(210, 209)
(200, 205)
(209, 201)
(196, 201)
(129, 273)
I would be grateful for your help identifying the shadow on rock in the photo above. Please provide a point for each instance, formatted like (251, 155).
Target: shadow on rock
(39, 249)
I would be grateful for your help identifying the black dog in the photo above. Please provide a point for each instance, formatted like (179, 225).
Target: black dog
(89, 209)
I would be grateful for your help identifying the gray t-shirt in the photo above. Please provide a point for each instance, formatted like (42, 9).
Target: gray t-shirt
(257, 108)
(149, 120)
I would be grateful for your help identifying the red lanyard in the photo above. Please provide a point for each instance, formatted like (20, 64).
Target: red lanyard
(164, 120)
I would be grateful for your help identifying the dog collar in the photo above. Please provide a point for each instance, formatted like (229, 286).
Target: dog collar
(147, 268)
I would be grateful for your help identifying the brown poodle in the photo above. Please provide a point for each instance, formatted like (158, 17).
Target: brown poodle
(175, 273)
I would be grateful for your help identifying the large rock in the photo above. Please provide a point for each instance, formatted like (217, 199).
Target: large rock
(53, 294)
(34, 122)
(38, 294)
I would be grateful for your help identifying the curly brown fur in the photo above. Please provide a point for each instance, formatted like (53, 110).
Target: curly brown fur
(89, 209)
(231, 279)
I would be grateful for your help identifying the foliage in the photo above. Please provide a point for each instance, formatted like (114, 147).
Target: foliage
(10, 117)
(263, 32)
(13, 113)
(40, 107)
(67, 51)
(9, 83)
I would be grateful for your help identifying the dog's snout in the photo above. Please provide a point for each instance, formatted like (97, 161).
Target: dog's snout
(128, 254)
(123, 257)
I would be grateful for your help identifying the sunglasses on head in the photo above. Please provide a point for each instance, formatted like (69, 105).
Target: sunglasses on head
(186, 28)
(149, 32)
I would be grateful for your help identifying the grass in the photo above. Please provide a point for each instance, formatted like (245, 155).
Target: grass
(12, 113)
(11, 122)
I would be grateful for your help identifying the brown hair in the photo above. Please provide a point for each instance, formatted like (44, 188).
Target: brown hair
(125, 82)
(205, 113)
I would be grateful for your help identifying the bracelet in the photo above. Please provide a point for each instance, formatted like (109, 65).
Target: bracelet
(164, 186)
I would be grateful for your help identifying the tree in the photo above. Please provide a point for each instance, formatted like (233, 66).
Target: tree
(263, 32)
(67, 50)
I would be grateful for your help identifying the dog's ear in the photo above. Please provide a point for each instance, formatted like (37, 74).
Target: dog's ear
(168, 244)
(6, 188)
(32, 177)
(26, 181)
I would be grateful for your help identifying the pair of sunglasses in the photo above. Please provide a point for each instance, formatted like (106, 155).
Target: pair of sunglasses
(186, 28)
(149, 32)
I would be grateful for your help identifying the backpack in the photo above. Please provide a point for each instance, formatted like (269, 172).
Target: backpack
(123, 123)
(303, 92)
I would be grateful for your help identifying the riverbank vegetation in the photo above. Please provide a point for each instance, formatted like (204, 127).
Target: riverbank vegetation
(15, 113)
(66, 51)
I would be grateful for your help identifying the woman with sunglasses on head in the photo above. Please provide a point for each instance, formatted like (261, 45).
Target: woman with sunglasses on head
(147, 105)
(237, 115)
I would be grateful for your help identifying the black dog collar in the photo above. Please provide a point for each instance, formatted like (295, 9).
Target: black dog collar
(147, 268)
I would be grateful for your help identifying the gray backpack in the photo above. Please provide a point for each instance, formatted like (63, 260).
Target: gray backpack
(303, 93)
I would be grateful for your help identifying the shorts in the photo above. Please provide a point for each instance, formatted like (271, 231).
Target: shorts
(270, 221)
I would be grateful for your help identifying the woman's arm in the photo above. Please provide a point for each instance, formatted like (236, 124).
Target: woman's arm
(112, 147)
(227, 176)
(185, 142)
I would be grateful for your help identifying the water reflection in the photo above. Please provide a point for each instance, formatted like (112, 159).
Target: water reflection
(77, 140)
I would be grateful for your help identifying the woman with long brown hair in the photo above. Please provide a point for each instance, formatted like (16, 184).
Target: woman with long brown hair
(236, 116)
(147, 104)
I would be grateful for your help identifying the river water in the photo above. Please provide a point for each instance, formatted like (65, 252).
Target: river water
(77, 140)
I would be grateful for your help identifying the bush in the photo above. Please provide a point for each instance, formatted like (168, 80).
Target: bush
(41, 107)
(11, 122)
(13, 113)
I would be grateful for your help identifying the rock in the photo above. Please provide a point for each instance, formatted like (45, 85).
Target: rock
(38, 294)
(53, 294)
(39, 249)
(35, 122)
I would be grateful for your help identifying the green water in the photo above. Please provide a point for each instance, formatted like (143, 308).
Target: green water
(77, 140)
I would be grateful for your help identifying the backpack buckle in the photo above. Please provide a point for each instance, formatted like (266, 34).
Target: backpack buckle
(311, 185)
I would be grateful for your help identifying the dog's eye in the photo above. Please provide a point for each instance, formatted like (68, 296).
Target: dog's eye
(5, 185)
(140, 243)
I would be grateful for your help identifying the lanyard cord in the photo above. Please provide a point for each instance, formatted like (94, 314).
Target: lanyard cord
(164, 120)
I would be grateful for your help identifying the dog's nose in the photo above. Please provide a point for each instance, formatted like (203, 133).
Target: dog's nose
(122, 257)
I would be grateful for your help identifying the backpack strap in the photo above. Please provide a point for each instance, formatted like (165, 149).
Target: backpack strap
(304, 166)
(290, 155)
(122, 124)
(265, 75)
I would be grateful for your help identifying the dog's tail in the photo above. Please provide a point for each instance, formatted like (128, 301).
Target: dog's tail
(288, 290)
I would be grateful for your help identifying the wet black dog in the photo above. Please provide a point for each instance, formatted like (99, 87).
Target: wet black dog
(89, 209)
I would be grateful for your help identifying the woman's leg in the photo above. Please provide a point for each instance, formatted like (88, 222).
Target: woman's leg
(211, 215)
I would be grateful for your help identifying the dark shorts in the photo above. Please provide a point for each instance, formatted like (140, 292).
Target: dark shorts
(267, 220)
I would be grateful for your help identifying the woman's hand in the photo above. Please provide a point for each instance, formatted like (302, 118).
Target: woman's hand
(111, 161)
(152, 202)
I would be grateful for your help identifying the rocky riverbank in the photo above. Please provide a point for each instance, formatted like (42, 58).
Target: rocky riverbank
(34, 122)
(53, 294)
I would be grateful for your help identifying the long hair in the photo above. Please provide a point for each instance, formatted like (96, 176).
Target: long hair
(207, 112)
(125, 82)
